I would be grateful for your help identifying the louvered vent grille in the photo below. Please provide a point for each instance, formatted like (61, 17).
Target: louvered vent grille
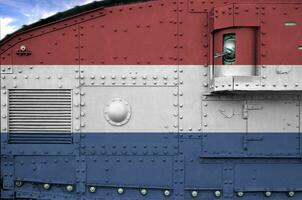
(40, 116)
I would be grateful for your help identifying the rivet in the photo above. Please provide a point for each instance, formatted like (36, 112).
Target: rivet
(167, 193)
(23, 48)
(14, 77)
(240, 194)
(205, 84)
(37, 77)
(92, 77)
(18, 183)
(268, 194)
(143, 192)
(217, 193)
(69, 188)
(92, 189)
(291, 193)
(46, 186)
(194, 194)
(120, 190)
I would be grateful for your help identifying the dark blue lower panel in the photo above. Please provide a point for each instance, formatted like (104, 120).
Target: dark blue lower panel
(160, 165)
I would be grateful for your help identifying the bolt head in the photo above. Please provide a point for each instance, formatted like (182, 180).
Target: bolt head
(167, 193)
(217, 193)
(240, 194)
(194, 194)
(92, 189)
(23, 48)
(120, 190)
(291, 193)
(144, 192)
(18, 183)
(268, 194)
(69, 188)
(46, 186)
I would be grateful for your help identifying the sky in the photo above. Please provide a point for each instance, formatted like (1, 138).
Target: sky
(16, 13)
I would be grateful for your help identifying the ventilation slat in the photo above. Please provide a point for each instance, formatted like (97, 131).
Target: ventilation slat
(40, 116)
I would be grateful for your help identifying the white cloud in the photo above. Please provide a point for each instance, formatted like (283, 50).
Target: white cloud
(33, 13)
(7, 27)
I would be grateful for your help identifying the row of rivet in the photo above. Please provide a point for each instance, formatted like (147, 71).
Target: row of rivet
(93, 189)
(46, 186)
(252, 85)
(218, 193)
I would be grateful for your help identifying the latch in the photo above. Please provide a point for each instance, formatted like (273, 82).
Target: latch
(247, 107)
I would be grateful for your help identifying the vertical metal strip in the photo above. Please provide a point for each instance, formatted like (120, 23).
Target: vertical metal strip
(178, 178)
(80, 175)
(228, 181)
(8, 176)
